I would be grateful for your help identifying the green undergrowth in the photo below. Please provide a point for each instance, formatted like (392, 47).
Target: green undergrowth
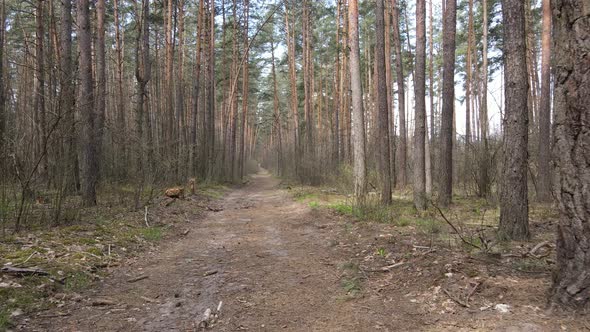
(78, 254)
(475, 218)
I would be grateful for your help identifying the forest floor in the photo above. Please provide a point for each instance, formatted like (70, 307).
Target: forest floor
(276, 258)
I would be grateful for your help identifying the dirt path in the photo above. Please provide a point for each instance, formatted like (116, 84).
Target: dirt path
(278, 265)
(267, 260)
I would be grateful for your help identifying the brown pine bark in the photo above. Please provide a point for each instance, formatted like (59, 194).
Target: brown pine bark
(447, 130)
(571, 280)
(544, 178)
(514, 210)
(168, 84)
(196, 93)
(399, 73)
(101, 82)
(358, 129)
(181, 135)
(293, 85)
(430, 151)
(483, 179)
(39, 99)
(211, 93)
(143, 74)
(336, 117)
(468, 82)
(277, 124)
(420, 108)
(89, 162)
(3, 114)
(245, 90)
(383, 158)
(121, 113)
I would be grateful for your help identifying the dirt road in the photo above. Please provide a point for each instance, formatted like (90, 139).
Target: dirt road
(263, 256)
(278, 265)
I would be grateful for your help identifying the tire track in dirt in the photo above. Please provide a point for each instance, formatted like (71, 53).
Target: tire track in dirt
(267, 261)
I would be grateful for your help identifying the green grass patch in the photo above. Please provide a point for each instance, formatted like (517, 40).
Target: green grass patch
(430, 226)
(314, 205)
(303, 196)
(342, 208)
(152, 233)
(76, 281)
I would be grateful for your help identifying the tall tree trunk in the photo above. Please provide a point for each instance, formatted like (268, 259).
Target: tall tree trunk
(484, 186)
(383, 160)
(277, 124)
(143, 74)
(388, 80)
(101, 79)
(180, 117)
(40, 114)
(196, 91)
(544, 178)
(468, 87)
(308, 90)
(121, 113)
(211, 91)
(169, 146)
(358, 130)
(3, 113)
(89, 162)
(245, 88)
(430, 150)
(233, 117)
(403, 145)
(571, 280)
(337, 106)
(420, 108)
(514, 209)
(293, 84)
(447, 132)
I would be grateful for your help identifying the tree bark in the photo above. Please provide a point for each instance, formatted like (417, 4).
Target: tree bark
(383, 159)
(447, 132)
(483, 179)
(101, 82)
(420, 108)
(277, 114)
(290, 35)
(40, 114)
(89, 162)
(121, 113)
(401, 101)
(358, 130)
(544, 177)
(514, 209)
(571, 148)
(245, 88)
(3, 113)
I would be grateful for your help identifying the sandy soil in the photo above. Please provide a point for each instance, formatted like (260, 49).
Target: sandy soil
(278, 265)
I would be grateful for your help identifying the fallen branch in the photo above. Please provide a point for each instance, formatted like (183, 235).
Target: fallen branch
(536, 248)
(453, 227)
(455, 299)
(209, 273)
(472, 292)
(26, 260)
(386, 268)
(23, 271)
(103, 302)
(59, 314)
(136, 279)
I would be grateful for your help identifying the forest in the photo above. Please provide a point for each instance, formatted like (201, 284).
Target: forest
(329, 165)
